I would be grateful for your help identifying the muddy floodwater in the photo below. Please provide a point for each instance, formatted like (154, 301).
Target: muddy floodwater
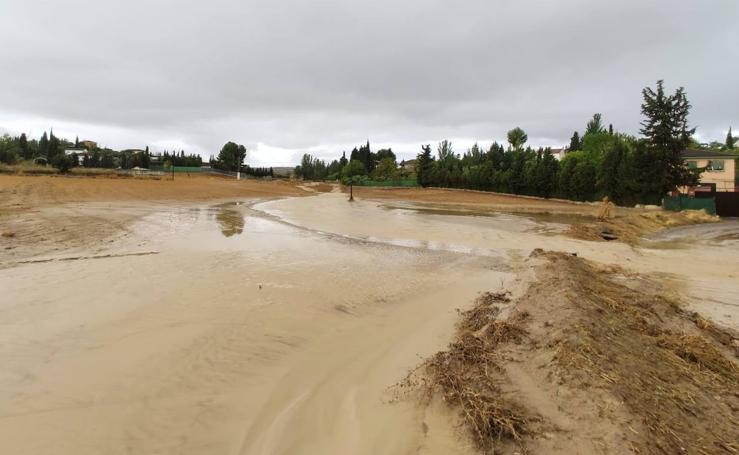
(253, 327)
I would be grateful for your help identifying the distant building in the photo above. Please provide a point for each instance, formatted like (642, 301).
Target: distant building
(719, 169)
(79, 152)
(88, 144)
(559, 153)
(408, 166)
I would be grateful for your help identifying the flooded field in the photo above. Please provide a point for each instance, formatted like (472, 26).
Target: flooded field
(260, 327)
(227, 337)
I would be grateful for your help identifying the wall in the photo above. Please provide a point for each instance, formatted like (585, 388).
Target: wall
(725, 180)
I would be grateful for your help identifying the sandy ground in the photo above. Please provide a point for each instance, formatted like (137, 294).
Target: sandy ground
(46, 215)
(144, 318)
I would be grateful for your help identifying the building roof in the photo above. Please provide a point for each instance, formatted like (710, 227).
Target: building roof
(698, 153)
(79, 151)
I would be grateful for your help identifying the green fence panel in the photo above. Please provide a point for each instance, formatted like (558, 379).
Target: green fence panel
(682, 202)
(403, 182)
(187, 169)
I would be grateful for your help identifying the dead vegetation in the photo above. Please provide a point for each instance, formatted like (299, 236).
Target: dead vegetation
(630, 226)
(673, 370)
(592, 340)
(463, 374)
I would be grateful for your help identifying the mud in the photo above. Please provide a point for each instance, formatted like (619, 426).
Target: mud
(264, 326)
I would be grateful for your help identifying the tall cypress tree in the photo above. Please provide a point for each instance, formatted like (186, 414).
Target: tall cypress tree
(575, 142)
(23, 145)
(54, 146)
(730, 140)
(43, 145)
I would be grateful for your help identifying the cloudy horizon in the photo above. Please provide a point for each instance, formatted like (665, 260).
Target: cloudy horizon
(285, 78)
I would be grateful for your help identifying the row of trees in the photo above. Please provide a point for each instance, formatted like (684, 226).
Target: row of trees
(516, 170)
(362, 162)
(600, 163)
(49, 147)
(180, 159)
(258, 171)
(66, 154)
(311, 168)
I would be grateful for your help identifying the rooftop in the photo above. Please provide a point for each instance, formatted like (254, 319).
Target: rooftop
(699, 153)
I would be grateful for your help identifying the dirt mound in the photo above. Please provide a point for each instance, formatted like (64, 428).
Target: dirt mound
(633, 225)
(588, 360)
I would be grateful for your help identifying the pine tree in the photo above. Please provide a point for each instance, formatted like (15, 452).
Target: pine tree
(424, 165)
(730, 140)
(610, 129)
(575, 142)
(231, 156)
(667, 135)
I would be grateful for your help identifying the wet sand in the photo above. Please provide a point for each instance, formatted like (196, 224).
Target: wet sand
(224, 341)
(257, 326)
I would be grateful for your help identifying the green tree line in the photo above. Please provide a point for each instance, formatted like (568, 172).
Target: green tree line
(362, 162)
(53, 150)
(599, 162)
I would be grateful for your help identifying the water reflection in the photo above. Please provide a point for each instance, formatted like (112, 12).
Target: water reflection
(230, 221)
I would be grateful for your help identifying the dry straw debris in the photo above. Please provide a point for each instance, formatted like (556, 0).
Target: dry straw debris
(463, 374)
(675, 374)
(674, 371)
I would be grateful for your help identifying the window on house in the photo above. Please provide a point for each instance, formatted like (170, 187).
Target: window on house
(715, 165)
(692, 165)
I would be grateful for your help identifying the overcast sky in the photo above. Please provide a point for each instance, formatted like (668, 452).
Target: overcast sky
(286, 77)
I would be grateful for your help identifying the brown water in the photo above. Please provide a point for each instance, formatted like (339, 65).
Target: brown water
(265, 330)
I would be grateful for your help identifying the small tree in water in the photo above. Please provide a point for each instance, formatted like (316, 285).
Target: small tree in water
(351, 174)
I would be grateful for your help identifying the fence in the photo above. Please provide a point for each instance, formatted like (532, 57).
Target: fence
(683, 202)
(402, 182)
(188, 169)
(727, 202)
(211, 170)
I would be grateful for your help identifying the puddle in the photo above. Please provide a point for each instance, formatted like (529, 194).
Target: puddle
(710, 234)
(230, 221)
(408, 225)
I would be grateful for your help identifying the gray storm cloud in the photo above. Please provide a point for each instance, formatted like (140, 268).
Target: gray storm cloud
(290, 76)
